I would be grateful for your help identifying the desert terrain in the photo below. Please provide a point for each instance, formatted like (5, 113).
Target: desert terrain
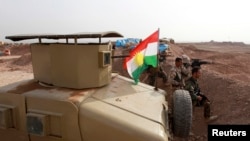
(225, 81)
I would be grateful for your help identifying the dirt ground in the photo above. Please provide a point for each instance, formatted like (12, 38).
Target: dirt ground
(225, 81)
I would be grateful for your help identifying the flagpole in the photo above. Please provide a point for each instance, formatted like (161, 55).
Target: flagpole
(157, 67)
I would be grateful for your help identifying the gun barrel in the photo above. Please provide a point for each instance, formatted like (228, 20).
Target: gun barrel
(204, 62)
(120, 56)
(199, 62)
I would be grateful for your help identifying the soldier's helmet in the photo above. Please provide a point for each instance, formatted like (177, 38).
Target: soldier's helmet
(185, 59)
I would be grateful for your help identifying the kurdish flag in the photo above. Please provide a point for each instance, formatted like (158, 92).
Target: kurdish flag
(143, 55)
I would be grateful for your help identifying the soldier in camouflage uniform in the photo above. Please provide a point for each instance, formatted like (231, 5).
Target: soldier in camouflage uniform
(198, 99)
(176, 74)
(153, 73)
(187, 64)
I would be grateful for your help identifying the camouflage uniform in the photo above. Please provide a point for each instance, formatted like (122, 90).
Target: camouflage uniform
(187, 64)
(158, 72)
(154, 72)
(193, 87)
(176, 77)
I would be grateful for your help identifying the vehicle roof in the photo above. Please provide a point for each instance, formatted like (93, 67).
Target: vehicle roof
(106, 34)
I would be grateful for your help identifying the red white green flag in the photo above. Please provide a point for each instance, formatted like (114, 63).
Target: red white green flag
(143, 55)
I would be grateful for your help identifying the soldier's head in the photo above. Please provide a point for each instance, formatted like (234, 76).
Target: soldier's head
(185, 60)
(178, 62)
(196, 72)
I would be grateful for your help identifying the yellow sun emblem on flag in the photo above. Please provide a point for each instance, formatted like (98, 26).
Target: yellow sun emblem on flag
(139, 59)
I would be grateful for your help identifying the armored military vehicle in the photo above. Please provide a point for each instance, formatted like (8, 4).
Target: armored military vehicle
(74, 96)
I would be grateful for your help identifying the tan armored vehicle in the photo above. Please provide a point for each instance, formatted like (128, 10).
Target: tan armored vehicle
(74, 96)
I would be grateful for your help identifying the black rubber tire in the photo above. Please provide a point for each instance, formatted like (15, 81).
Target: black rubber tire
(182, 113)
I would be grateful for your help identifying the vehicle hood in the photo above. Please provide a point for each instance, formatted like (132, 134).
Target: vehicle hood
(140, 99)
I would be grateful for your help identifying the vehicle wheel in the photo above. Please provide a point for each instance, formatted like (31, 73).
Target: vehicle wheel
(182, 113)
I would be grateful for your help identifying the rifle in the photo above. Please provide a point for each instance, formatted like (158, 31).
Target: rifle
(199, 62)
(204, 98)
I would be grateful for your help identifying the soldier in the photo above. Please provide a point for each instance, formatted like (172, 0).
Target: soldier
(187, 64)
(156, 72)
(176, 74)
(198, 99)
(153, 73)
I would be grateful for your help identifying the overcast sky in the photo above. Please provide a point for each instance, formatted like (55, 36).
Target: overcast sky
(182, 20)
